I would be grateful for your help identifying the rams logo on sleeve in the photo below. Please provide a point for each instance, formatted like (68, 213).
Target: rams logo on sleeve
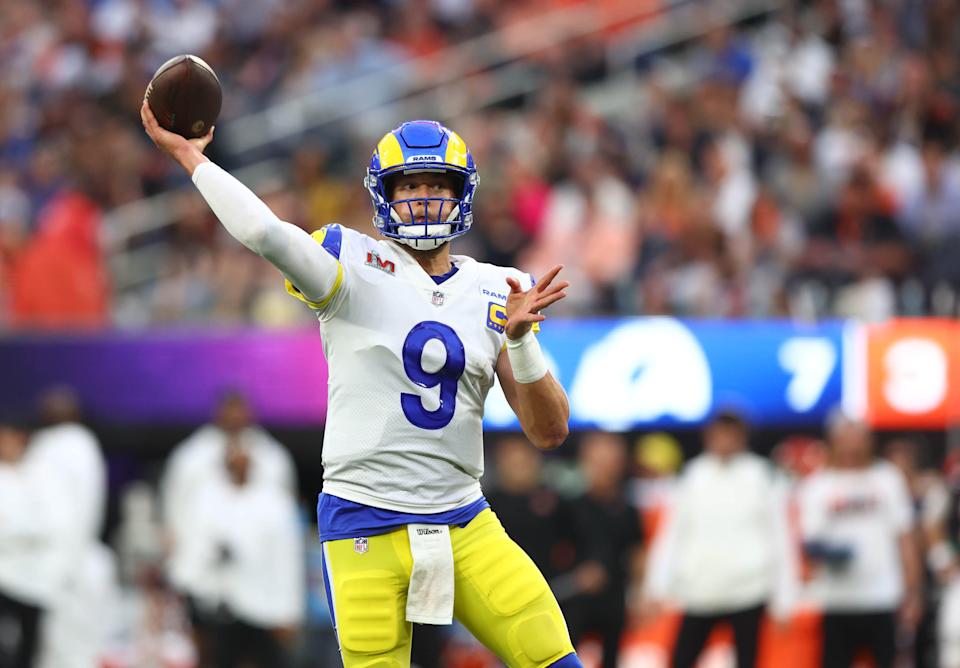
(496, 317)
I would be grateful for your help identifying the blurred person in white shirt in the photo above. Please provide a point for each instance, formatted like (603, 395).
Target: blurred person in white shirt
(199, 459)
(24, 588)
(65, 460)
(857, 525)
(196, 464)
(246, 565)
(66, 449)
(76, 630)
(723, 553)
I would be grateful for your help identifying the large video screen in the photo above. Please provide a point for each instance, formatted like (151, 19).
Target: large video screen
(632, 373)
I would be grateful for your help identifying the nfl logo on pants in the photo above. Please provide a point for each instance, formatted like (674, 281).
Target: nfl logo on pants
(360, 545)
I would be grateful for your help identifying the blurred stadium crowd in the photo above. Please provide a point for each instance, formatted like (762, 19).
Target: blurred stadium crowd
(802, 164)
(210, 558)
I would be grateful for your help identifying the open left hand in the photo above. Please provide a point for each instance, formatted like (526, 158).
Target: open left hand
(523, 308)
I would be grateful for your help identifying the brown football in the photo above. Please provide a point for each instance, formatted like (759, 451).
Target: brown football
(185, 96)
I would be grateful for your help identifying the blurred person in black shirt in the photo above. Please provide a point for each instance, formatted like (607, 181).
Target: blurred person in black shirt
(529, 511)
(531, 514)
(930, 498)
(608, 538)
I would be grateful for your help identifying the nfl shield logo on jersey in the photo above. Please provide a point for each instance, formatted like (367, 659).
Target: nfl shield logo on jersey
(360, 545)
(437, 298)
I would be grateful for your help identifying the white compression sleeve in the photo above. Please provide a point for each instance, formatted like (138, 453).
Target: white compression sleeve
(251, 222)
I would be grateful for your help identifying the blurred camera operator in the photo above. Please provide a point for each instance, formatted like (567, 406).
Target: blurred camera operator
(858, 530)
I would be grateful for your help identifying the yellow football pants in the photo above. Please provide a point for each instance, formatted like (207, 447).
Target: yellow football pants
(499, 595)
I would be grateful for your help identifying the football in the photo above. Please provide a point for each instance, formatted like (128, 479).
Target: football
(185, 96)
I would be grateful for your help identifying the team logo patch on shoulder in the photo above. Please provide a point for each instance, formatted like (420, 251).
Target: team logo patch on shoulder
(373, 260)
(496, 317)
(361, 545)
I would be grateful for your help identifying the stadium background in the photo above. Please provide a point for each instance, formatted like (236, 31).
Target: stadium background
(778, 181)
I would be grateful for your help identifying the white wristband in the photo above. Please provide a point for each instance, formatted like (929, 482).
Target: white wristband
(526, 358)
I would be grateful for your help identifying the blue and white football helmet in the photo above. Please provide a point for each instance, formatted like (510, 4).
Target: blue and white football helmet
(422, 146)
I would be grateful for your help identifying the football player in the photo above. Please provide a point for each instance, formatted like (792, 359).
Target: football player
(413, 336)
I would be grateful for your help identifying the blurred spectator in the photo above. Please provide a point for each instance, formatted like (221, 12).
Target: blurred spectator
(857, 529)
(930, 498)
(151, 629)
(182, 26)
(857, 249)
(657, 458)
(798, 456)
(67, 454)
(14, 219)
(73, 637)
(930, 215)
(193, 467)
(245, 566)
(25, 586)
(198, 459)
(64, 447)
(724, 552)
(58, 278)
(608, 539)
(52, 562)
(529, 511)
(816, 125)
(942, 524)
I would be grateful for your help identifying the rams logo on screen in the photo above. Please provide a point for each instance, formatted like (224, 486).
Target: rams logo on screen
(496, 317)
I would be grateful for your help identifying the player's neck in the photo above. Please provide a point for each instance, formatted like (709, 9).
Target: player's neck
(435, 262)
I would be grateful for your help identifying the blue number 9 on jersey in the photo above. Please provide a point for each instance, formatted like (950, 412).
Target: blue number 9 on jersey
(446, 376)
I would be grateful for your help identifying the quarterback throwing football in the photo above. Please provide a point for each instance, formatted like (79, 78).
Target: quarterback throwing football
(413, 336)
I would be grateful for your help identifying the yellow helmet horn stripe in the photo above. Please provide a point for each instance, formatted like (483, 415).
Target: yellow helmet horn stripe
(389, 151)
(456, 151)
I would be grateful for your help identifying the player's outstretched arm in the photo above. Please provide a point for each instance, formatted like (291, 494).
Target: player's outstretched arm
(244, 215)
(531, 390)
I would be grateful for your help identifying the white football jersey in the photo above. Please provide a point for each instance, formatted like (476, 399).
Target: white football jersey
(410, 364)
